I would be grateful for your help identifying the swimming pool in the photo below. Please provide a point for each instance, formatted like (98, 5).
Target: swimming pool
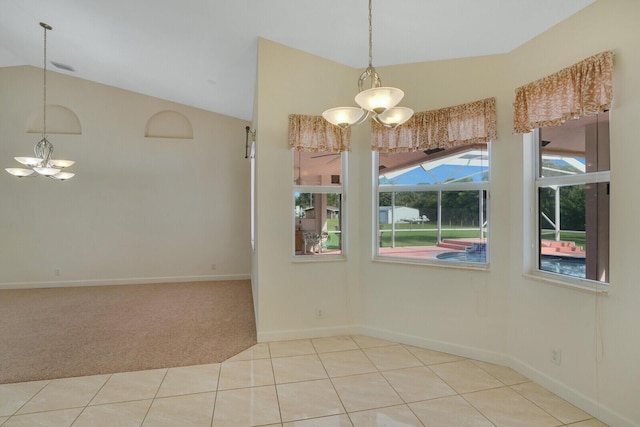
(569, 266)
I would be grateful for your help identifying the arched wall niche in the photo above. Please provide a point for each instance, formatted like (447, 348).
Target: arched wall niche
(168, 124)
(60, 120)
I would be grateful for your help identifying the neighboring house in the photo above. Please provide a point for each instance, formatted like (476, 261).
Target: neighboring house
(388, 214)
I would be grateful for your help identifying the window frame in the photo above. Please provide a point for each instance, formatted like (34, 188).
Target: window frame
(456, 186)
(323, 189)
(538, 182)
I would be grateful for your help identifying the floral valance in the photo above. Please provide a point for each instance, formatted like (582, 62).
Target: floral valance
(580, 90)
(314, 133)
(464, 124)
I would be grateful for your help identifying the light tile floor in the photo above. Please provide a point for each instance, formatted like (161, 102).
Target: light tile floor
(339, 381)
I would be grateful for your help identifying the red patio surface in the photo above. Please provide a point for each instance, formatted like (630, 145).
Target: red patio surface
(548, 247)
(427, 252)
(561, 248)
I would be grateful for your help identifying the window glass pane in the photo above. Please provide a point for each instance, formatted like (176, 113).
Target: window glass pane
(434, 225)
(318, 223)
(320, 168)
(578, 146)
(574, 230)
(437, 166)
(573, 201)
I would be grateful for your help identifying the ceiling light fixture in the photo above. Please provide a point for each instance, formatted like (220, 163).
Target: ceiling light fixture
(42, 164)
(378, 101)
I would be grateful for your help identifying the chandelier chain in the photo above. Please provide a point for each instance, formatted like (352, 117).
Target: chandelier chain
(44, 96)
(370, 38)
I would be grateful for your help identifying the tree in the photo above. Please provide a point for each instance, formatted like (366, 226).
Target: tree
(333, 200)
(572, 212)
(572, 203)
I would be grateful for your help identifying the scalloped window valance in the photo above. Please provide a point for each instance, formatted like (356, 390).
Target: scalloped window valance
(582, 89)
(314, 133)
(448, 127)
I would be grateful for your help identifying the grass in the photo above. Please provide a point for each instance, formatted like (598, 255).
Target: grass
(427, 234)
(425, 237)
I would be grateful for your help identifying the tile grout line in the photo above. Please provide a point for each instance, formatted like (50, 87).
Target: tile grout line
(331, 380)
(461, 395)
(550, 414)
(458, 394)
(66, 408)
(381, 374)
(275, 385)
(90, 400)
(509, 386)
(391, 385)
(153, 399)
(215, 400)
(28, 400)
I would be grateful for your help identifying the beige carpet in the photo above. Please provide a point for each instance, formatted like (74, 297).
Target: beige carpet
(68, 332)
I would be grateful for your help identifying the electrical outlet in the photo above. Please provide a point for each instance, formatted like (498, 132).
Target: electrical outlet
(319, 313)
(213, 266)
(556, 356)
(57, 272)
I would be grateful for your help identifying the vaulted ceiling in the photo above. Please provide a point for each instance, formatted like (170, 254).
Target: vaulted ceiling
(203, 52)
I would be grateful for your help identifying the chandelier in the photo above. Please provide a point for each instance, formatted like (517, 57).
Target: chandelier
(42, 164)
(378, 101)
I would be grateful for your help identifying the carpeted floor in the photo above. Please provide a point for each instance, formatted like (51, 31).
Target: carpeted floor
(68, 332)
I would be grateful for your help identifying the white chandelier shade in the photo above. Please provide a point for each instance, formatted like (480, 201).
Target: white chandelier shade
(59, 163)
(344, 117)
(20, 172)
(394, 117)
(62, 176)
(377, 100)
(29, 161)
(46, 171)
(34, 161)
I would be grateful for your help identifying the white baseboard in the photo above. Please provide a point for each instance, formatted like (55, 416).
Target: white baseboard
(587, 404)
(298, 334)
(571, 395)
(442, 346)
(122, 281)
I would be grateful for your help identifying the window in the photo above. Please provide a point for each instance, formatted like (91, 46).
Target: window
(319, 203)
(572, 188)
(432, 205)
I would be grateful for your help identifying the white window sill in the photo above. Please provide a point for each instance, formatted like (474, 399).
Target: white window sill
(303, 259)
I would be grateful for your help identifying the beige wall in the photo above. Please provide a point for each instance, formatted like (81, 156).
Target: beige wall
(291, 81)
(599, 339)
(451, 309)
(139, 209)
(498, 315)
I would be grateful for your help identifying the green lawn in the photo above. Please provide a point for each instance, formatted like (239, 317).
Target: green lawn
(426, 234)
(428, 237)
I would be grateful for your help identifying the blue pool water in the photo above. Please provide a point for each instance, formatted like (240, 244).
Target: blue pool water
(568, 266)
(564, 265)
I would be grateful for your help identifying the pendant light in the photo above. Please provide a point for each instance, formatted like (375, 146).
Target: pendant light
(42, 164)
(378, 101)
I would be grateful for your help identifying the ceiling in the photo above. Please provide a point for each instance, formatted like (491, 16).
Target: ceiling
(203, 53)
